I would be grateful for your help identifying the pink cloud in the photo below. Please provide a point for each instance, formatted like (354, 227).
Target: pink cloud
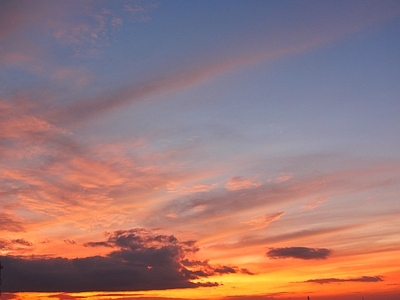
(16, 58)
(240, 183)
(316, 202)
(196, 188)
(283, 177)
(27, 126)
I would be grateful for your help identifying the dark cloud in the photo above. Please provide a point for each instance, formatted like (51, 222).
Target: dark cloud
(68, 241)
(246, 271)
(299, 252)
(97, 244)
(225, 270)
(357, 279)
(203, 268)
(22, 242)
(4, 244)
(142, 260)
(14, 244)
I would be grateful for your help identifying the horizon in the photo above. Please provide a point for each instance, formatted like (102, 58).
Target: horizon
(195, 150)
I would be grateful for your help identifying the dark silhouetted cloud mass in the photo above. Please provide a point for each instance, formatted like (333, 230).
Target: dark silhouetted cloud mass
(143, 260)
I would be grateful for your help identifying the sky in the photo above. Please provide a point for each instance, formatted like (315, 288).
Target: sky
(224, 150)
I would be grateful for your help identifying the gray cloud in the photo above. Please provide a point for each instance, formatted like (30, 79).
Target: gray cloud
(299, 252)
(142, 260)
(357, 279)
(205, 269)
(22, 242)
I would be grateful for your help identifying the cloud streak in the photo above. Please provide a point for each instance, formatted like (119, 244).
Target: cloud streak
(252, 241)
(368, 279)
(299, 252)
(263, 221)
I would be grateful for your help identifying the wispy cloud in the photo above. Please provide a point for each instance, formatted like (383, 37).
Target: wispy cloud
(252, 241)
(259, 222)
(64, 175)
(219, 204)
(315, 203)
(174, 82)
(90, 30)
(196, 188)
(239, 183)
(66, 181)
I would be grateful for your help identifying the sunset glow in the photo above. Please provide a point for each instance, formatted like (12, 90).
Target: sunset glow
(222, 150)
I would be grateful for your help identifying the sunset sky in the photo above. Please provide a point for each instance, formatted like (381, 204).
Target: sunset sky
(225, 150)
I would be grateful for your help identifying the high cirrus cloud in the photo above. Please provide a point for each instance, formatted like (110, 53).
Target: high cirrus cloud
(356, 279)
(142, 260)
(299, 252)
